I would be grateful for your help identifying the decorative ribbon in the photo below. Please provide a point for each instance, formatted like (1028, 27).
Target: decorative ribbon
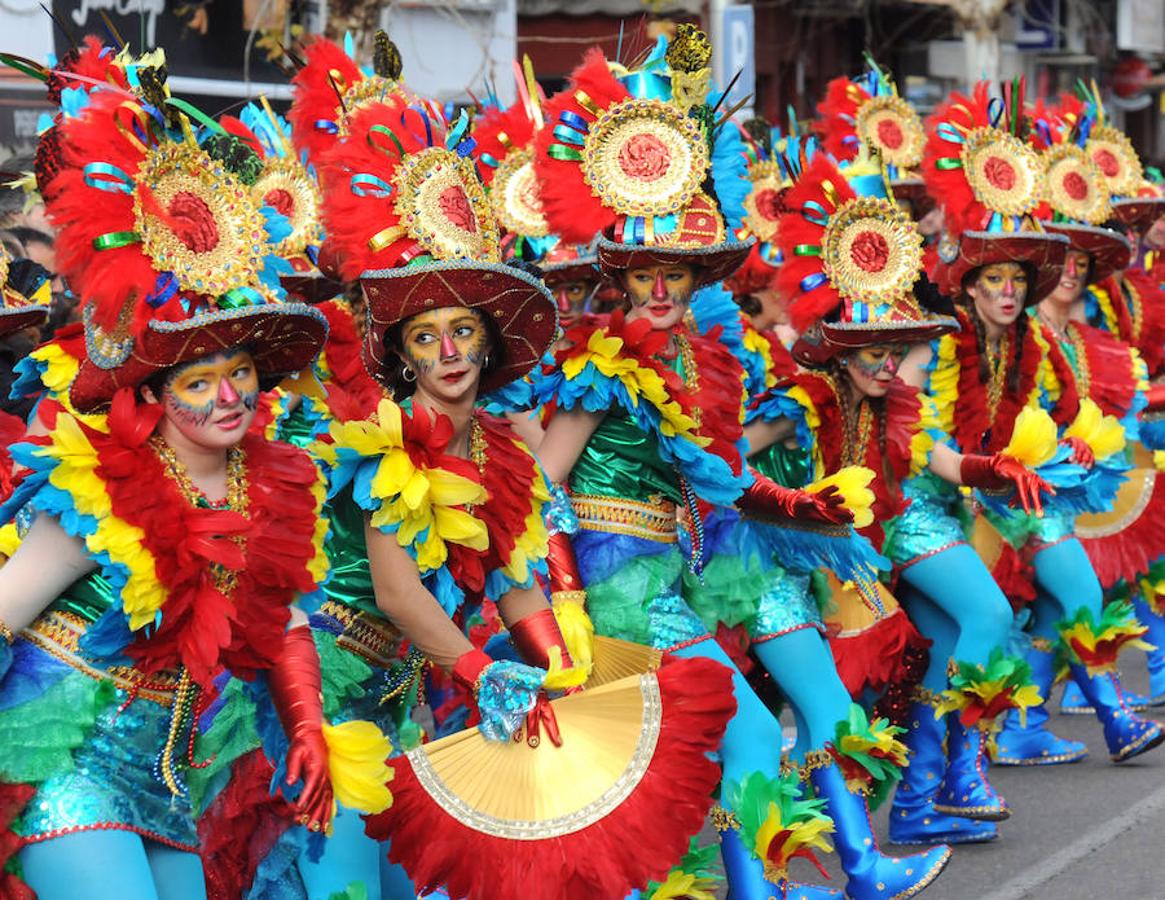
(376, 187)
(382, 148)
(814, 212)
(812, 282)
(566, 154)
(198, 115)
(583, 99)
(106, 177)
(574, 120)
(165, 288)
(239, 298)
(949, 133)
(112, 240)
(569, 136)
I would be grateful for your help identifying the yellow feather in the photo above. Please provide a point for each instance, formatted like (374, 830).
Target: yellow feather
(357, 752)
(853, 482)
(1033, 440)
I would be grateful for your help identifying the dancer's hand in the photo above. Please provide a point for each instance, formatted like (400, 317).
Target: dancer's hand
(1082, 454)
(997, 472)
(767, 499)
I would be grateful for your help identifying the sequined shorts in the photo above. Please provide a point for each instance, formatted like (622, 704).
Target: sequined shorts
(787, 606)
(115, 782)
(924, 529)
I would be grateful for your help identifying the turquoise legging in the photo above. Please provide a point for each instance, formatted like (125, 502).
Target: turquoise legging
(752, 741)
(1065, 583)
(952, 599)
(351, 857)
(111, 865)
(802, 665)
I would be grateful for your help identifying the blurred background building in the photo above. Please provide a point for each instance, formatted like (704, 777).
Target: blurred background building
(785, 50)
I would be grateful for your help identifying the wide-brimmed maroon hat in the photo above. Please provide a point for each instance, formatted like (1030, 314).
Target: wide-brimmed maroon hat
(1043, 252)
(1109, 250)
(1138, 213)
(709, 264)
(518, 304)
(282, 338)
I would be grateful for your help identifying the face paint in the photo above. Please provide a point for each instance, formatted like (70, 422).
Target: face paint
(873, 361)
(443, 334)
(212, 401)
(660, 293)
(999, 292)
(1073, 278)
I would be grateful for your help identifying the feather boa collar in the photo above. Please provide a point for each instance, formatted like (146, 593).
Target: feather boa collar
(206, 589)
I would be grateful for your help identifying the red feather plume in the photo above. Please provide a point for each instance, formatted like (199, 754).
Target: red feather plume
(963, 211)
(571, 208)
(513, 123)
(107, 279)
(795, 229)
(837, 114)
(316, 99)
(235, 126)
(92, 60)
(352, 220)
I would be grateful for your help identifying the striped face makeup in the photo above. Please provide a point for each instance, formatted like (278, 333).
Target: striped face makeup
(446, 349)
(212, 401)
(873, 369)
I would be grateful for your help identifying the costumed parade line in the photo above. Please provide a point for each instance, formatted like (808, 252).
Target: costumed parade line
(441, 502)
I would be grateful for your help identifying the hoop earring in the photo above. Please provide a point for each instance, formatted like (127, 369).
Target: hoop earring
(485, 362)
(406, 372)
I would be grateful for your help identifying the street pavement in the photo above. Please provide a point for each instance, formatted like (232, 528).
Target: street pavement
(1087, 831)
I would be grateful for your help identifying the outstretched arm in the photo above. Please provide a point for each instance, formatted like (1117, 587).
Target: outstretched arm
(47, 561)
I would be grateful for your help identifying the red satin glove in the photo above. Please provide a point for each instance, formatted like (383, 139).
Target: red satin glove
(998, 472)
(767, 499)
(467, 670)
(1082, 454)
(561, 565)
(533, 637)
(1156, 397)
(295, 685)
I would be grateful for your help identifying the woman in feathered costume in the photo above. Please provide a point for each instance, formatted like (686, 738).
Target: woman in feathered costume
(647, 409)
(1109, 373)
(451, 510)
(1130, 305)
(992, 382)
(854, 263)
(168, 542)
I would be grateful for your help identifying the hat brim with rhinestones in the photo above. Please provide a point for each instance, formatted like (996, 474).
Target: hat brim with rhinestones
(710, 264)
(1138, 213)
(282, 338)
(1043, 252)
(518, 304)
(1110, 250)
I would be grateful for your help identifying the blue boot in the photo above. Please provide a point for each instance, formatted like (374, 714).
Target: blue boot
(1126, 733)
(913, 819)
(745, 873)
(966, 790)
(872, 875)
(1072, 703)
(1033, 744)
(1156, 636)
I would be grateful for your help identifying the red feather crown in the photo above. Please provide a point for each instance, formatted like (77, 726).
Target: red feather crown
(149, 227)
(505, 159)
(868, 110)
(608, 160)
(331, 88)
(1076, 189)
(403, 187)
(988, 177)
(840, 249)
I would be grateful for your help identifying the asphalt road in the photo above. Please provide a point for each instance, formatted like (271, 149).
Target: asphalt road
(1087, 831)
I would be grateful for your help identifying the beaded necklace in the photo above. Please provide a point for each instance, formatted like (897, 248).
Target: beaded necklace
(997, 363)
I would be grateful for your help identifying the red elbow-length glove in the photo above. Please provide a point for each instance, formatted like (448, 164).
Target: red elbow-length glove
(295, 685)
(998, 472)
(767, 499)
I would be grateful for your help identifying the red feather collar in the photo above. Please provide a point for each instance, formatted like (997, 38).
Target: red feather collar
(267, 550)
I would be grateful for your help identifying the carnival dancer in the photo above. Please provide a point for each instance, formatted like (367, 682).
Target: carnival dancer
(634, 400)
(1131, 306)
(452, 504)
(156, 559)
(849, 409)
(1107, 372)
(989, 381)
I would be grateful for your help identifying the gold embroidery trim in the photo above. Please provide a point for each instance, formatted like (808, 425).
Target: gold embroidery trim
(653, 521)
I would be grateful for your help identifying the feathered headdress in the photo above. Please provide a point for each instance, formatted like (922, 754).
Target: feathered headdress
(868, 111)
(1077, 193)
(980, 165)
(331, 88)
(628, 155)
(407, 215)
(160, 237)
